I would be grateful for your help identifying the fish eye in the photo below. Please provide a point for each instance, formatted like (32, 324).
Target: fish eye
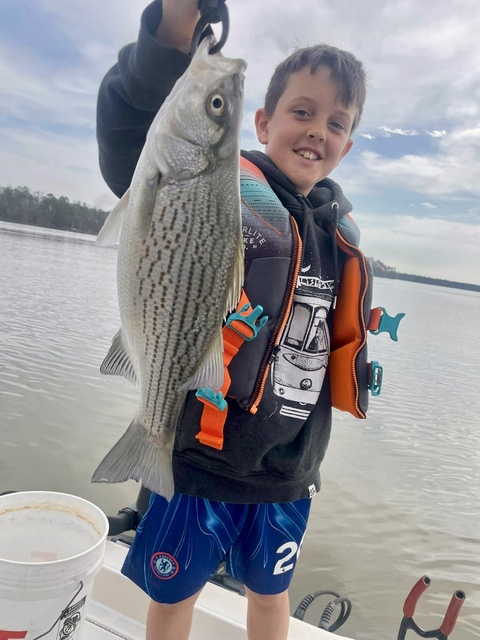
(217, 105)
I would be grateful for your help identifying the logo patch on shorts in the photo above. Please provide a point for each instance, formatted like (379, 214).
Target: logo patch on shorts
(311, 491)
(164, 565)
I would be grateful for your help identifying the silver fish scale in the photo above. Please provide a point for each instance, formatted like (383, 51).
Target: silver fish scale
(182, 276)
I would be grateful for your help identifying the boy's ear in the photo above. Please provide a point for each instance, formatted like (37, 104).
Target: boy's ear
(261, 126)
(346, 149)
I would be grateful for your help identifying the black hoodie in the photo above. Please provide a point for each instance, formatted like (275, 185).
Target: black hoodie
(273, 455)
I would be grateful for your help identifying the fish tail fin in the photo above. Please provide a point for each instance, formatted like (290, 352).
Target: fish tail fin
(136, 457)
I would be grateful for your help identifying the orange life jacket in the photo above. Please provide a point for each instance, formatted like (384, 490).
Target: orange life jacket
(349, 372)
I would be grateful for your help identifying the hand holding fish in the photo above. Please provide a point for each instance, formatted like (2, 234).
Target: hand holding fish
(179, 19)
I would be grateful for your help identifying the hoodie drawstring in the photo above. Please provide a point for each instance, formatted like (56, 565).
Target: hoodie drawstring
(335, 209)
(333, 234)
(301, 199)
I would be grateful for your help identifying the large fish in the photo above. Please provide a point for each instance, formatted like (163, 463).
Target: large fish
(180, 262)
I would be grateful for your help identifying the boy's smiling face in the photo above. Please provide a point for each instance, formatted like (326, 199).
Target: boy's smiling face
(309, 131)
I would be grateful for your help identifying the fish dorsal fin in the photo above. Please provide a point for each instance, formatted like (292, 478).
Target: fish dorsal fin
(109, 234)
(117, 362)
(210, 373)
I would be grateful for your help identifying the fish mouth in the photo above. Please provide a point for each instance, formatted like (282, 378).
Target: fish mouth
(238, 80)
(232, 85)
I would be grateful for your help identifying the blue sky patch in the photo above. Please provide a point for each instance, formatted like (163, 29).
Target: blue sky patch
(24, 26)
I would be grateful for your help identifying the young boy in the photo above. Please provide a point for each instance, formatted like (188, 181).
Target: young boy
(247, 500)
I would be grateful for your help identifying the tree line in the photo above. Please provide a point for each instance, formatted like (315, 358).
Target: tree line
(381, 270)
(20, 205)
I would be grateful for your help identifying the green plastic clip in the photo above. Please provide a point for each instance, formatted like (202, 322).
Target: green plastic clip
(388, 324)
(249, 320)
(376, 378)
(215, 398)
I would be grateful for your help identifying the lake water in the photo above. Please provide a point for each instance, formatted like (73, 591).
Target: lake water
(401, 490)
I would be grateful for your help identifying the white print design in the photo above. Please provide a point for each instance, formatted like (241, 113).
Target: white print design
(316, 283)
(300, 545)
(69, 623)
(281, 565)
(311, 491)
(252, 238)
(301, 358)
(294, 412)
(292, 548)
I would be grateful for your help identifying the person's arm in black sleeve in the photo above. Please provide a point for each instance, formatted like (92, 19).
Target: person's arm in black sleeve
(132, 92)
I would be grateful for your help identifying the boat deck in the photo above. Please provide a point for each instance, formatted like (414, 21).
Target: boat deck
(119, 609)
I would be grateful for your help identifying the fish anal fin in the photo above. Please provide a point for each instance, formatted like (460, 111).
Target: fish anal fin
(136, 457)
(211, 372)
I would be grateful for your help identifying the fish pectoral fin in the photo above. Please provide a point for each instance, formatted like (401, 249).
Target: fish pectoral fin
(117, 361)
(109, 234)
(136, 457)
(235, 289)
(147, 203)
(211, 372)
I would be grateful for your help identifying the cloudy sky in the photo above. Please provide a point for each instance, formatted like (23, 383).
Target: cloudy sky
(413, 174)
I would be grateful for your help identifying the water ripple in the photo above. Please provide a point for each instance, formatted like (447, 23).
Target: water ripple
(401, 490)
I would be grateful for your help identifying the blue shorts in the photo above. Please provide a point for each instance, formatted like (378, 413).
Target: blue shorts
(179, 545)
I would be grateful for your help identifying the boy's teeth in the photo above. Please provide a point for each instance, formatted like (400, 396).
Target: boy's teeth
(309, 155)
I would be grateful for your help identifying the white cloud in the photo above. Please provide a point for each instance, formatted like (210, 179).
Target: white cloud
(429, 205)
(436, 134)
(451, 170)
(408, 171)
(54, 163)
(470, 136)
(387, 132)
(428, 247)
(368, 136)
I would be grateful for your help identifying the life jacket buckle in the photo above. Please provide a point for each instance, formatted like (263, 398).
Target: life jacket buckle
(375, 378)
(381, 322)
(243, 321)
(211, 397)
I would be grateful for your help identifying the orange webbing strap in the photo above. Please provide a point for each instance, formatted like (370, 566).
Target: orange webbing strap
(215, 408)
(375, 317)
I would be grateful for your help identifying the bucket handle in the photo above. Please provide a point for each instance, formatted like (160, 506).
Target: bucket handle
(61, 613)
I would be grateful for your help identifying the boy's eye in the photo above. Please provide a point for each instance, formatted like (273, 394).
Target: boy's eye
(337, 125)
(301, 112)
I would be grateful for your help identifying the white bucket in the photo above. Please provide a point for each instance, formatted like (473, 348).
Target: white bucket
(51, 548)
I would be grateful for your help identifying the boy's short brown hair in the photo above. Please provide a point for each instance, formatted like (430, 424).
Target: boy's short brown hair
(347, 71)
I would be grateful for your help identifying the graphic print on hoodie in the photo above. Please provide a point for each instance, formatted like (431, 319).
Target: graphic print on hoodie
(301, 359)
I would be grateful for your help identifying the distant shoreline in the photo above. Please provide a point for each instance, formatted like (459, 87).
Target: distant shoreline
(394, 275)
